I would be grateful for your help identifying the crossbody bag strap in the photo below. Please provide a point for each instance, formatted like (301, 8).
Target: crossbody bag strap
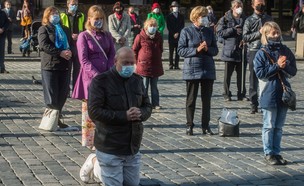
(280, 78)
(98, 44)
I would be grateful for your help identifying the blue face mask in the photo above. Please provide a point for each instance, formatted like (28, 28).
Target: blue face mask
(204, 21)
(55, 19)
(98, 24)
(151, 29)
(73, 8)
(126, 71)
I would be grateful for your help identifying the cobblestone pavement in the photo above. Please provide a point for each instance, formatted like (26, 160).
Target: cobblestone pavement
(29, 156)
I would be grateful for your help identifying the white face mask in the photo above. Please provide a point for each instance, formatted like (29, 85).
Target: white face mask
(175, 9)
(204, 21)
(156, 10)
(239, 10)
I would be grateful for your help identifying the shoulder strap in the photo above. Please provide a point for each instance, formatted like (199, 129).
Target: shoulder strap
(98, 44)
(280, 78)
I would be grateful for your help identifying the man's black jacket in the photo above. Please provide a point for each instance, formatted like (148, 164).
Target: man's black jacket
(110, 96)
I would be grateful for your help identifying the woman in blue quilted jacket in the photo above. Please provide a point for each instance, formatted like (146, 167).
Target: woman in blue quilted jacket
(197, 44)
(274, 61)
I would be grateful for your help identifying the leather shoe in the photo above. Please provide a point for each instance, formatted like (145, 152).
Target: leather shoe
(254, 109)
(189, 131)
(208, 131)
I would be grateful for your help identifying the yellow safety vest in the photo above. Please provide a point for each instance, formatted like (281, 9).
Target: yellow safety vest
(65, 21)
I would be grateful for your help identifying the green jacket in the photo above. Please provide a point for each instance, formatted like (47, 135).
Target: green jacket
(160, 21)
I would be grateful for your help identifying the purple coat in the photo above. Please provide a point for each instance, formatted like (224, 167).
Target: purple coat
(92, 60)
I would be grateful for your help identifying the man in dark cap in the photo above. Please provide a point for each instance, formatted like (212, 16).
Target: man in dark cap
(175, 23)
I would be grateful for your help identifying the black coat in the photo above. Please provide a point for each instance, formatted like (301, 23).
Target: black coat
(251, 30)
(110, 96)
(4, 22)
(298, 22)
(231, 44)
(175, 25)
(135, 30)
(50, 58)
(11, 15)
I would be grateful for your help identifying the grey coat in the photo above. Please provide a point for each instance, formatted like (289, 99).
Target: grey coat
(120, 28)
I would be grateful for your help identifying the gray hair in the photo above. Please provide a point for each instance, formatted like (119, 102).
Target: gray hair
(234, 2)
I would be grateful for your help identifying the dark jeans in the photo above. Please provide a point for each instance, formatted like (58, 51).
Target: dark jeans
(154, 90)
(55, 88)
(9, 35)
(206, 93)
(172, 48)
(74, 69)
(2, 52)
(240, 68)
(253, 81)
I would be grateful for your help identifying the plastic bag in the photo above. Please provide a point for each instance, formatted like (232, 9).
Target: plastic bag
(229, 117)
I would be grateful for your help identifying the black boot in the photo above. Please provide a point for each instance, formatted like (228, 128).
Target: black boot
(189, 131)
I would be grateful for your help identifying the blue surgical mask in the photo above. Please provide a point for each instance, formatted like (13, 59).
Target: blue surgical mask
(151, 30)
(55, 19)
(98, 24)
(73, 8)
(126, 71)
(204, 21)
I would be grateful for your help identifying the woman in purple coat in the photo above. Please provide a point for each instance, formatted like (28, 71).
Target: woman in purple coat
(96, 55)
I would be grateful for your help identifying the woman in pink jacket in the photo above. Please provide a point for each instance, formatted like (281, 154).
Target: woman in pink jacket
(96, 55)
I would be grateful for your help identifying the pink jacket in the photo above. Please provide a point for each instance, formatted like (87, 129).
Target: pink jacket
(92, 60)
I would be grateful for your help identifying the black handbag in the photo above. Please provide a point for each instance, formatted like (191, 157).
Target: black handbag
(228, 130)
(289, 97)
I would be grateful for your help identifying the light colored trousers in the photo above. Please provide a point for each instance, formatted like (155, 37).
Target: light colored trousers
(114, 170)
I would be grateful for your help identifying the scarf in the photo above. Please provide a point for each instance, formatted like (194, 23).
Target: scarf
(61, 40)
(133, 17)
(119, 16)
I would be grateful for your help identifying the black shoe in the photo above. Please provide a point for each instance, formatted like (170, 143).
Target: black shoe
(62, 125)
(189, 131)
(241, 98)
(271, 160)
(208, 131)
(254, 109)
(176, 68)
(227, 98)
(10, 53)
(4, 72)
(171, 67)
(280, 160)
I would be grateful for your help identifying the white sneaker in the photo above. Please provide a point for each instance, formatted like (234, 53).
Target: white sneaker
(87, 167)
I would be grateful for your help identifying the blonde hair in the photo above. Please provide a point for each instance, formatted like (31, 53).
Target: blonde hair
(96, 11)
(149, 22)
(266, 29)
(47, 13)
(197, 12)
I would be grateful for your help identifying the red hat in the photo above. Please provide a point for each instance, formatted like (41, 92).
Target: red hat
(155, 5)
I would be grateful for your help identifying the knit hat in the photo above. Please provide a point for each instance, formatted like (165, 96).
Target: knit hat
(155, 5)
(118, 4)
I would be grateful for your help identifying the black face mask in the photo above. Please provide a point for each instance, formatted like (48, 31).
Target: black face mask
(260, 8)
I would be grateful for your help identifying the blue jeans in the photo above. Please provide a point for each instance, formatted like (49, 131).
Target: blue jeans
(154, 90)
(119, 170)
(273, 122)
